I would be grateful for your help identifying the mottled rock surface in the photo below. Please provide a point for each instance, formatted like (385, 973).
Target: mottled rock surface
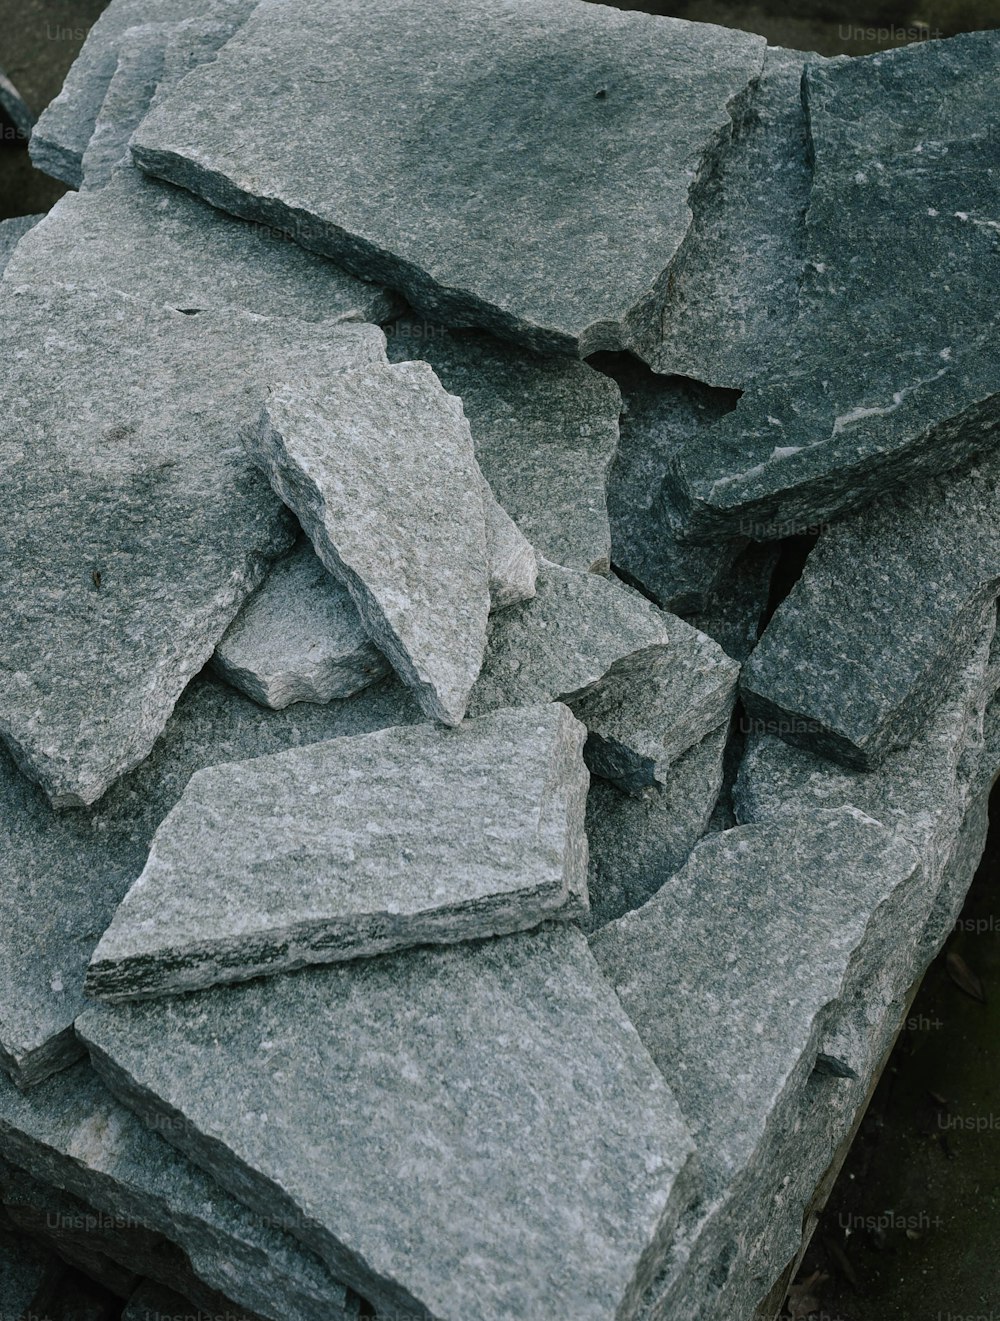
(545, 431)
(354, 847)
(378, 464)
(136, 524)
(11, 233)
(859, 654)
(736, 608)
(478, 1072)
(469, 201)
(138, 70)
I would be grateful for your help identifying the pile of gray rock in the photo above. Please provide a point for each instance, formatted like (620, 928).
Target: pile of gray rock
(441, 877)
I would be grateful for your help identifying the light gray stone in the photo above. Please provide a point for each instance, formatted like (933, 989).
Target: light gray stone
(136, 525)
(138, 70)
(14, 106)
(510, 556)
(646, 685)
(545, 431)
(379, 466)
(355, 847)
(11, 233)
(71, 1133)
(460, 180)
(145, 239)
(859, 654)
(889, 373)
(299, 638)
(62, 875)
(479, 1073)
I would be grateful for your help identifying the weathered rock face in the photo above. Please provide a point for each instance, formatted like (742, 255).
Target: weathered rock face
(137, 74)
(124, 573)
(859, 654)
(889, 374)
(381, 472)
(11, 233)
(417, 1049)
(473, 214)
(545, 431)
(355, 847)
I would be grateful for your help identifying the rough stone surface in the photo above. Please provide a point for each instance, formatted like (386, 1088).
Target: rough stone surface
(637, 842)
(11, 233)
(138, 70)
(890, 373)
(469, 199)
(510, 556)
(378, 464)
(860, 652)
(735, 610)
(71, 1133)
(478, 1072)
(354, 847)
(545, 431)
(136, 524)
(646, 685)
(299, 638)
(157, 243)
(62, 875)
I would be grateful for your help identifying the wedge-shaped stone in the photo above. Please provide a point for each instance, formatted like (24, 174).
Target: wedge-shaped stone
(545, 431)
(138, 70)
(646, 685)
(378, 464)
(145, 239)
(136, 524)
(890, 373)
(71, 1133)
(355, 847)
(11, 233)
(478, 1072)
(62, 875)
(460, 182)
(859, 654)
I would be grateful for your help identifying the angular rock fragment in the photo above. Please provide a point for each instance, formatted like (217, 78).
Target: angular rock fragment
(137, 525)
(381, 472)
(646, 685)
(138, 70)
(735, 610)
(890, 373)
(11, 233)
(159, 244)
(478, 1072)
(860, 652)
(474, 215)
(510, 557)
(62, 875)
(545, 431)
(14, 106)
(71, 1133)
(354, 847)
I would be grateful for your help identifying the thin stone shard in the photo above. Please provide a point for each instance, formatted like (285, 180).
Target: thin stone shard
(139, 68)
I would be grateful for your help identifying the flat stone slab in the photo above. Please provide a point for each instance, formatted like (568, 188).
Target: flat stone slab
(545, 431)
(646, 685)
(123, 575)
(11, 233)
(139, 68)
(71, 1133)
(460, 182)
(479, 1072)
(861, 651)
(418, 836)
(142, 238)
(381, 471)
(889, 374)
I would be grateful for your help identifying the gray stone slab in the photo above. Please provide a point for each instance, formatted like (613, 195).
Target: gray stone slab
(460, 182)
(545, 431)
(299, 638)
(646, 685)
(858, 655)
(139, 68)
(62, 875)
(379, 466)
(12, 231)
(465, 1212)
(355, 847)
(889, 373)
(136, 523)
(23, 1268)
(14, 106)
(510, 557)
(637, 842)
(71, 1133)
(142, 238)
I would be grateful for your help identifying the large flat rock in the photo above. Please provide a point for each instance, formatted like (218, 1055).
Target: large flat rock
(354, 847)
(858, 655)
(522, 168)
(379, 466)
(889, 373)
(490, 1079)
(136, 523)
(545, 430)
